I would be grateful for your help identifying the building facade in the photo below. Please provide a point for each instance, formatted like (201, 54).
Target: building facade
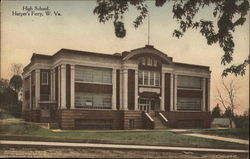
(139, 89)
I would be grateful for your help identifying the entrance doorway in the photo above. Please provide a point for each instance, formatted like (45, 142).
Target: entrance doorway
(148, 104)
(144, 104)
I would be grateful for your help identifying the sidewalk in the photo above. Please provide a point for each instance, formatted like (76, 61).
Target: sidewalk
(240, 141)
(117, 146)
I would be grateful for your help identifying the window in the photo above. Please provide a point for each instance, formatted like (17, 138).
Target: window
(149, 78)
(154, 63)
(157, 79)
(188, 103)
(149, 61)
(143, 61)
(188, 82)
(93, 101)
(140, 78)
(144, 104)
(145, 81)
(131, 123)
(45, 78)
(93, 74)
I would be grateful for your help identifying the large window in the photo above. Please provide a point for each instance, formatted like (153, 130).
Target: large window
(149, 78)
(93, 74)
(45, 78)
(93, 101)
(188, 103)
(188, 82)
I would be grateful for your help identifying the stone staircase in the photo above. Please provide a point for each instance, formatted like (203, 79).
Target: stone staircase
(158, 125)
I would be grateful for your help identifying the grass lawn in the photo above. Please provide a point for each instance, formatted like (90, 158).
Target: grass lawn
(238, 133)
(4, 115)
(162, 137)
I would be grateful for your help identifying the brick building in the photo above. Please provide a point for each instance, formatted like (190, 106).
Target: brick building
(142, 88)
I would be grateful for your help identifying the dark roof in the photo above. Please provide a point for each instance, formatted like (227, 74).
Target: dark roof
(191, 65)
(63, 51)
(115, 55)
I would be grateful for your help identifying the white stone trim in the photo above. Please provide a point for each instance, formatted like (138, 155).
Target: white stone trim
(37, 88)
(63, 87)
(59, 87)
(30, 91)
(114, 89)
(203, 94)
(125, 89)
(150, 89)
(87, 63)
(208, 95)
(162, 107)
(72, 86)
(121, 89)
(149, 117)
(35, 67)
(175, 91)
(166, 120)
(54, 84)
(193, 73)
(136, 90)
(171, 92)
(51, 85)
(93, 83)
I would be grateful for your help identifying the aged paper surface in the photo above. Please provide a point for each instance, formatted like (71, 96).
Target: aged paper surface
(45, 27)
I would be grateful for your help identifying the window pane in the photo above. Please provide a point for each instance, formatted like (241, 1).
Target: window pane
(93, 74)
(44, 78)
(143, 61)
(157, 79)
(107, 102)
(83, 100)
(188, 103)
(97, 76)
(155, 63)
(93, 101)
(189, 82)
(151, 78)
(146, 77)
(149, 61)
(140, 77)
(98, 101)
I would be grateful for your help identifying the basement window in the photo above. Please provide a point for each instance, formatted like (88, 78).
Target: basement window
(131, 124)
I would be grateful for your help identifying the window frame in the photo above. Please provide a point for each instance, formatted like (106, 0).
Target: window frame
(97, 75)
(42, 77)
(146, 78)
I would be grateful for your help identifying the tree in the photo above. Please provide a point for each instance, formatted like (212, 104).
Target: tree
(216, 112)
(16, 69)
(227, 98)
(16, 83)
(229, 14)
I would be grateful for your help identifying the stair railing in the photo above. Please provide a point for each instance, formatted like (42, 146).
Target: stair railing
(163, 118)
(148, 122)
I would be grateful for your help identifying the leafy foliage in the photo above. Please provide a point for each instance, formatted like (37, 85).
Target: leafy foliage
(9, 103)
(216, 112)
(229, 14)
(16, 83)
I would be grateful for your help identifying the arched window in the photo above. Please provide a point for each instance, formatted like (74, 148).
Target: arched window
(148, 61)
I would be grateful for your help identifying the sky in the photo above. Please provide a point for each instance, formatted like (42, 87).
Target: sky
(78, 28)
